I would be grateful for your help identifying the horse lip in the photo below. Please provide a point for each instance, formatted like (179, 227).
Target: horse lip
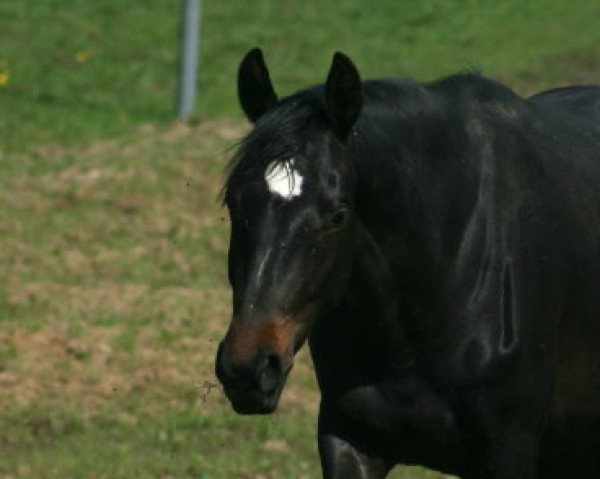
(254, 409)
(251, 404)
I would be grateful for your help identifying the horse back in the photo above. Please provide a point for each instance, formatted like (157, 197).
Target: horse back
(582, 102)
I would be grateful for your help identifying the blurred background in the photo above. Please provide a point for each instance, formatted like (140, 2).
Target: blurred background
(113, 291)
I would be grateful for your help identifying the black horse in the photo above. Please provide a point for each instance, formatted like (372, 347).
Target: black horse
(439, 247)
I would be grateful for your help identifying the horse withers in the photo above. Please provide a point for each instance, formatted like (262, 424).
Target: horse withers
(438, 245)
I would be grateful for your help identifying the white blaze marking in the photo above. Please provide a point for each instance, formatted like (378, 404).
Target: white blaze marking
(261, 266)
(283, 180)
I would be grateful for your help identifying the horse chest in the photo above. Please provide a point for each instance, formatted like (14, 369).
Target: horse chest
(374, 397)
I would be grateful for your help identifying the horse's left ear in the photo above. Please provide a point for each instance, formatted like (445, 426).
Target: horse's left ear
(343, 94)
(255, 90)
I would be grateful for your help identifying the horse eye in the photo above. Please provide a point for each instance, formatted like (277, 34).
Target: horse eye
(338, 218)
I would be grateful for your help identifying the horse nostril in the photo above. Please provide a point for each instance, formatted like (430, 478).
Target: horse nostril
(262, 375)
(269, 371)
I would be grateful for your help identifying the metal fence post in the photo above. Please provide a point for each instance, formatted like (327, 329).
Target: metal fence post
(190, 45)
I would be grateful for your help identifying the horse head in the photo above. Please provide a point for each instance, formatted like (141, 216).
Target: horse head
(290, 196)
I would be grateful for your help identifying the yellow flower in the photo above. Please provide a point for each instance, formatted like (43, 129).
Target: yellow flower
(82, 57)
(4, 78)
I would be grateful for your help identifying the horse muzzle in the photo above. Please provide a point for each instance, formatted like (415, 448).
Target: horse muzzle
(252, 386)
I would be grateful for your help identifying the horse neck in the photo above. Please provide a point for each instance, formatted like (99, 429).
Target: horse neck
(400, 244)
(395, 194)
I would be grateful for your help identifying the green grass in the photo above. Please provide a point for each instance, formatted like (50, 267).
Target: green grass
(180, 443)
(81, 69)
(113, 292)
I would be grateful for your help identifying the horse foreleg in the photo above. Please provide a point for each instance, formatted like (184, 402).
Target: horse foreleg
(344, 458)
(503, 442)
(506, 458)
(394, 405)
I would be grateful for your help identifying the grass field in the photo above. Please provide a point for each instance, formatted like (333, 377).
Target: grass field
(112, 242)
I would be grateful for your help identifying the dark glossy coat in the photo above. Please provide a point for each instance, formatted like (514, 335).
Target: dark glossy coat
(443, 261)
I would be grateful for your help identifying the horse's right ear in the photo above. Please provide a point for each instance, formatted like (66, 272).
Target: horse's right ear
(343, 94)
(255, 90)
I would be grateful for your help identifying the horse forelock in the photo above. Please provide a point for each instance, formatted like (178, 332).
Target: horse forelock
(274, 142)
